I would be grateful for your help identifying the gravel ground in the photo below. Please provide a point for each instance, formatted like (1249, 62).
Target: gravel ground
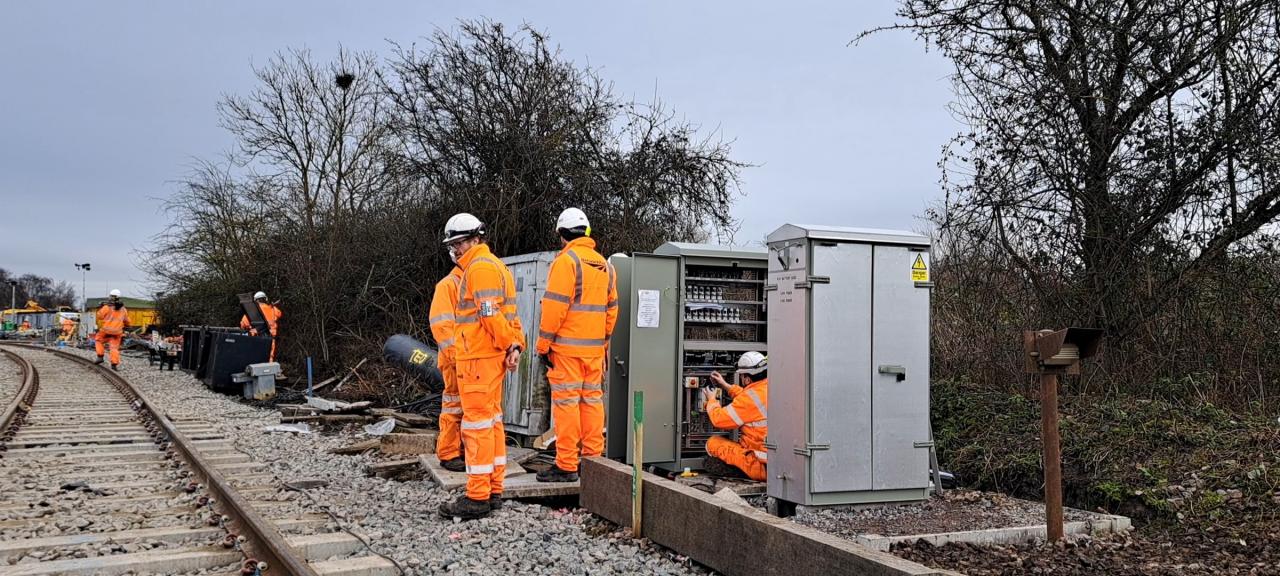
(399, 519)
(10, 380)
(954, 511)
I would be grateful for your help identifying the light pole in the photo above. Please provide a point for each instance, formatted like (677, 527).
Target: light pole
(84, 294)
(13, 294)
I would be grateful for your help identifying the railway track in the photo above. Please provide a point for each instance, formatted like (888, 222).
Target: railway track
(96, 480)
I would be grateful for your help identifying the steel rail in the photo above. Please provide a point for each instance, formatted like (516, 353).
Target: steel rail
(263, 541)
(16, 411)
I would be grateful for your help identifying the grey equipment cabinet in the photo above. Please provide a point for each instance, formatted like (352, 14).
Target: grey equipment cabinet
(703, 306)
(849, 365)
(526, 397)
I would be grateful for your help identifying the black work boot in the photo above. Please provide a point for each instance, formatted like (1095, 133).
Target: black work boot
(115, 367)
(465, 508)
(555, 474)
(495, 502)
(717, 467)
(98, 361)
(454, 464)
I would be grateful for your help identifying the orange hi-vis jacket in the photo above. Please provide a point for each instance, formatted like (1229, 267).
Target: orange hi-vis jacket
(112, 322)
(443, 303)
(269, 312)
(580, 307)
(749, 411)
(486, 324)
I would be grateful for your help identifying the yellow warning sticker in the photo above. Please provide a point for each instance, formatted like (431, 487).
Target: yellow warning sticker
(919, 270)
(418, 357)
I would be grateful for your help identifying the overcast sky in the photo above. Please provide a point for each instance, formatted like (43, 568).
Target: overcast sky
(103, 105)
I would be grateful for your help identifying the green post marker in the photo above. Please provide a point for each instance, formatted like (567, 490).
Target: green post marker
(637, 427)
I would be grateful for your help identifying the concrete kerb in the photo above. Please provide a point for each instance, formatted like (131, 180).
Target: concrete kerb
(714, 531)
(1101, 524)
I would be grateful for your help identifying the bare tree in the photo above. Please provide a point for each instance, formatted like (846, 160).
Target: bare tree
(1127, 145)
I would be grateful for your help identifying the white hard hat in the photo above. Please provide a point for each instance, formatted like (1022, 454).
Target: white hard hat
(573, 218)
(259, 295)
(462, 226)
(752, 363)
(115, 293)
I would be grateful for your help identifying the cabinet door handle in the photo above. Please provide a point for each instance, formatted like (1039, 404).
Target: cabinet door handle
(899, 372)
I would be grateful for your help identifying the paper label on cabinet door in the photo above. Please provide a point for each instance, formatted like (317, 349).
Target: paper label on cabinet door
(647, 312)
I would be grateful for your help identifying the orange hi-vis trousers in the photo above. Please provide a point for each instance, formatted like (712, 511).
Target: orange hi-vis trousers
(114, 340)
(739, 456)
(577, 405)
(480, 385)
(449, 442)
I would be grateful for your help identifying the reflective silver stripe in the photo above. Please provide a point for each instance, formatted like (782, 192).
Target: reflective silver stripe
(757, 424)
(440, 318)
(462, 284)
(577, 279)
(467, 305)
(759, 404)
(588, 307)
(557, 297)
(446, 343)
(566, 386)
(761, 456)
(468, 320)
(733, 413)
(547, 335)
(499, 460)
(450, 398)
(480, 425)
(482, 469)
(590, 387)
(451, 410)
(612, 304)
(593, 400)
(490, 293)
(565, 401)
(580, 341)
(497, 419)
(511, 316)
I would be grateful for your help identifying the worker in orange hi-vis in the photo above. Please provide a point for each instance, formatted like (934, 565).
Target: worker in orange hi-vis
(747, 411)
(579, 310)
(68, 328)
(26, 325)
(113, 319)
(272, 315)
(489, 340)
(443, 303)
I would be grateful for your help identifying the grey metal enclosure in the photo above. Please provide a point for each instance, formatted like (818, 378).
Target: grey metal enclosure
(684, 312)
(526, 398)
(849, 365)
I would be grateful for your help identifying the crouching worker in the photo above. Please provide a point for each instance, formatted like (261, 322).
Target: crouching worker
(748, 412)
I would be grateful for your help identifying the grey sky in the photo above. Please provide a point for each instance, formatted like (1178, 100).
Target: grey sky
(105, 104)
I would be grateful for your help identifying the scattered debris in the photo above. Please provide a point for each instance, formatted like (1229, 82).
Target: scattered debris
(298, 428)
(381, 428)
(305, 484)
(358, 447)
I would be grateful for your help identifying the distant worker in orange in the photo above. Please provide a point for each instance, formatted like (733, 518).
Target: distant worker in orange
(748, 411)
(443, 303)
(271, 313)
(579, 310)
(489, 340)
(68, 328)
(26, 324)
(113, 319)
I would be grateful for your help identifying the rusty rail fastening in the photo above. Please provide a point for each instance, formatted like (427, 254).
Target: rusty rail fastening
(15, 414)
(265, 549)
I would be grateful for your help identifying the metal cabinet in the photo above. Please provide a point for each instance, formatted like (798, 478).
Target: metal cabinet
(685, 311)
(526, 396)
(849, 365)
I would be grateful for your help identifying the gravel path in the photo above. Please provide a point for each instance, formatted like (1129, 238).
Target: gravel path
(954, 511)
(399, 519)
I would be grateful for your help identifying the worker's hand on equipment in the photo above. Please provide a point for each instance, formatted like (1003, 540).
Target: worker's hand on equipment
(719, 380)
(708, 395)
(513, 359)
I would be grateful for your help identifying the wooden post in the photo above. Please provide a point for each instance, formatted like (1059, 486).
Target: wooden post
(637, 427)
(1052, 454)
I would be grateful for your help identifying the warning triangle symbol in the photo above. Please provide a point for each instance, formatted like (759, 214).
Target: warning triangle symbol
(919, 265)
